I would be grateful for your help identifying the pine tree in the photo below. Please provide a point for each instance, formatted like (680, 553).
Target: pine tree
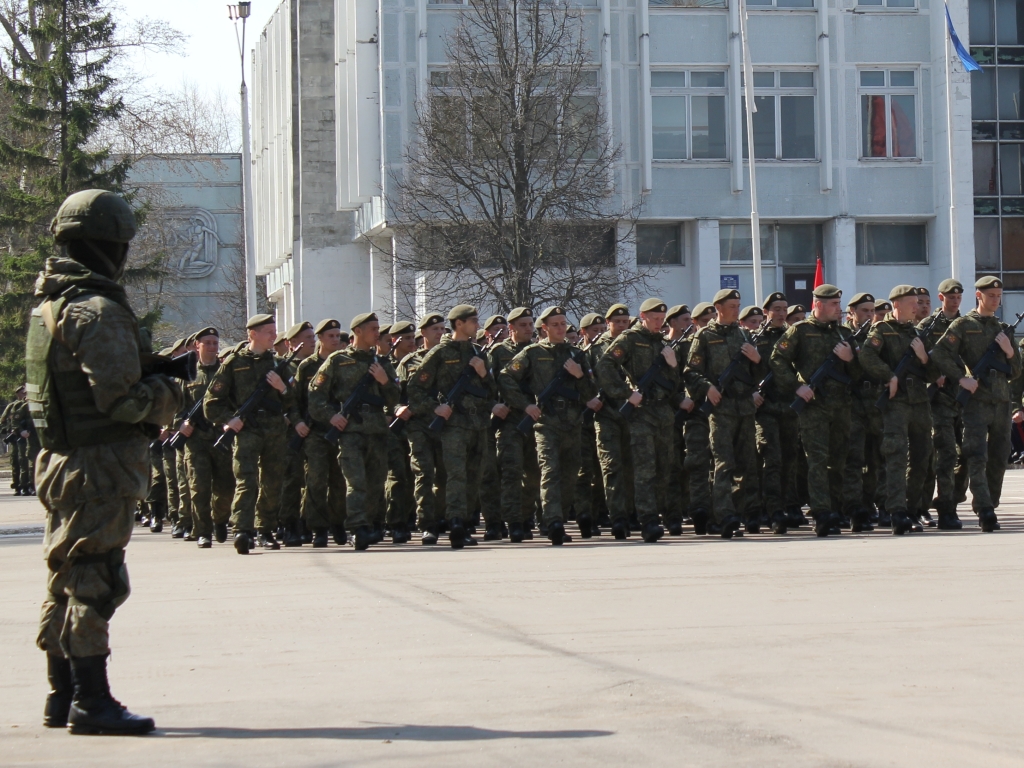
(56, 91)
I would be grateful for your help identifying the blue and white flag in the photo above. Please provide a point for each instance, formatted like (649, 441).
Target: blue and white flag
(965, 58)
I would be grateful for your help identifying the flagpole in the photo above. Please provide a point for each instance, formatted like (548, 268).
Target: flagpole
(748, 91)
(954, 261)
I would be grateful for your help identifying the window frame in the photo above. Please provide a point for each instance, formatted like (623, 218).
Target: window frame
(884, 7)
(681, 232)
(923, 225)
(687, 92)
(778, 91)
(888, 91)
(774, 6)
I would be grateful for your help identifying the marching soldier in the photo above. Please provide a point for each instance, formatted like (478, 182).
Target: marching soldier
(556, 422)
(400, 511)
(301, 337)
(489, 485)
(865, 448)
(986, 442)
(680, 331)
(882, 308)
(697, 436)
(589, 484)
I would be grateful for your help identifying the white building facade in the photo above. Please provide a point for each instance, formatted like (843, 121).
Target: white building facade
(852, 143)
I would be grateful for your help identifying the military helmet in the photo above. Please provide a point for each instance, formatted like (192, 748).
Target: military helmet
(94, 214)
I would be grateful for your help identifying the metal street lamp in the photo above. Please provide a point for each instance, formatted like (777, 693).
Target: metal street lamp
(236, 13)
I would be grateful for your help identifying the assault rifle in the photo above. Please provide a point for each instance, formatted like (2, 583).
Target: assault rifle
(735, 371)
(908, 363)
(258, 399)
(197, 419)
(829, 369)
(653, 376)
(993, 360)
(555, 388)
(464, 384)
(12, 437)
(350, 408)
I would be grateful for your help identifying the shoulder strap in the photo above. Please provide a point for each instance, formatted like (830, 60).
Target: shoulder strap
(50, 315)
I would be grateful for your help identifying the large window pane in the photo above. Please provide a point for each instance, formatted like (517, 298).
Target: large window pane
(1013, 242)
(795, 3)
(797, 113)
(1009, 169)
(708, 127)
(1009, 18)
(904, 131)
(985, 169)
(668, 79)
(983, 94)
(1009, 93)
(799, 243)
(891, 244)
(982, 31)
(986, 244)
(658, 244)
(872, 115)
(669, 113)
(764, 128)
(707, 79)
(736, 245)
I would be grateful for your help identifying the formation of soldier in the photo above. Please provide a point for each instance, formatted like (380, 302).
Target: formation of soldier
(726, 419)
(19, 435)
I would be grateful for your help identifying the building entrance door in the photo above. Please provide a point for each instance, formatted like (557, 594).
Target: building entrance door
(799, 286)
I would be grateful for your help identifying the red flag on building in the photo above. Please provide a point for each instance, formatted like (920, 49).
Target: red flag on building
(819, 274)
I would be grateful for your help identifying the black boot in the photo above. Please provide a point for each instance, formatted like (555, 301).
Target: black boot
(987, 520)
(94, 710)
(58, 700)
(242, 543)
(860, 521)
(178, 532)
(456, 533)
(362, 538)
(795, 516)
(620, 529)
(493, 532)
(293, 534)
(515, 533)
(700, 521)
(900, 522)
(429, 537)
(400, 534)
(220, 532)
(675, 529)
(319, 538)
(948, 518)
(585, 526)
(926, 517)
(729, 526)
(556, 533)
(822, 524)
(884, 518)
(339, 535)
(652, 532)
(267, 540)
(156, 517)
(779, 523)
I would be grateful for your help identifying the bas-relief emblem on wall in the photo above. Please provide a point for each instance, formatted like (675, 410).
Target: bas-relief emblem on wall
(190, 238)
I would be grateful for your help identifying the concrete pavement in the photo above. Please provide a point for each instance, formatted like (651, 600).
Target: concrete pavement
(866, 650)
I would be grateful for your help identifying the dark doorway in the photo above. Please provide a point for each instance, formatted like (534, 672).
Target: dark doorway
(799, 287)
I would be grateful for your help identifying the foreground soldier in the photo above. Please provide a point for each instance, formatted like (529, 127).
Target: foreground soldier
(860, 487)
(679, 324)
(825, 421)
(90, 402)
(400, 507)
(488, 485)
(697, 436)
(987, 414)
(259, 456)
(557, 425)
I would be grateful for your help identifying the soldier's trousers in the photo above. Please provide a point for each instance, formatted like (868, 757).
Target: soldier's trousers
(651, 447)
(462, 449)
(364, 462)
(398, 487)
(589, 497)
(520, 472)
(23, 474)
(986, 447)
(734, 448)
(906, 445)
(212, 485)
(429, 476)
(157, 497)
(825, 433)
(558, 454)
(293, 484)
(778, 445)
(864, 480)
(614, 453)
(697, 435)
(678, 502)
(184, 489)
(947, 429)
(171, 478)
(488, 493)
(324, 500)
(15, 467)
(258, 464)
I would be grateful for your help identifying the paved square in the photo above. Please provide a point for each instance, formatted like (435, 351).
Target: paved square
(866, 650)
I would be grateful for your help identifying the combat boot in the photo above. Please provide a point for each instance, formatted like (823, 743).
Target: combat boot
(178, 531)
(948, 518)
(400, 534)
(822, 524)
(58, 700)
(884, 518)
(900, 522)
(916, 526)
(93, 709)
(339, 535)
(729, 526)
(700, 521)
(204, 542)
(779, 523)
(456, 533)
(429, 537)
(926, 517)
(987, 519)
(652, 532)
(585, 526)
(292, 534)
(377, 534)
(362, 538)
(493, 533)
(527, 533)
(242, 543)
(752, 526)
(515, 533)
(620, 529)
(556, 533)
(795, 516)
(319, 538)
(675, 529)
(220, 532)
(860, 521)
(267, 541)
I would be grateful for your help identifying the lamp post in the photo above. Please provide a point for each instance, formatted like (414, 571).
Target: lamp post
(236, 13)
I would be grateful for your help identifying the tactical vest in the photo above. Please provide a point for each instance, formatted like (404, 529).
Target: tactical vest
(61, 402)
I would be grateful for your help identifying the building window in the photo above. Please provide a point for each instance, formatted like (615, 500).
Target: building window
(784, 120)
(798, 244)
(689, 3)
(736, 246)
(888, 113)
(659, 244)
(780, 3)
(688, 111)
(792, 244)
(891, 244)
(898, 4)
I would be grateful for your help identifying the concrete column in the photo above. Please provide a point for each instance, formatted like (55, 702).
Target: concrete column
(707, 259)
(840, 257)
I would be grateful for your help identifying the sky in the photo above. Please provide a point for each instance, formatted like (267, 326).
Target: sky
(210, 54)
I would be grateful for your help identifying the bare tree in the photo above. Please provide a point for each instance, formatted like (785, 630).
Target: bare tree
(507, 195)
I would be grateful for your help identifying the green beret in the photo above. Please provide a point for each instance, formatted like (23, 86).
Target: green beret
(725, 294)
(950, 286)
(753, 309)
(922, 291)
(279, 340)
(298, 328)
(462, 312)
(433, 318)
(402, 327)
(860, 298)
(702, 309)
(882, 306)
(570, 328)
(494, 319)
(827, 291)
(518, 312)
(481, 334)
(795, 309)
(989, 281)
(207, 331)
(777, 296)
(653, 305)
(902, 290)
(257, 320)
(385, 329)
(589, 319)
(358, 320)
(616, 310)
(550, 312)
(327, 325)
(678, 309)
(166, 351)
(178, 343)
(346, 336)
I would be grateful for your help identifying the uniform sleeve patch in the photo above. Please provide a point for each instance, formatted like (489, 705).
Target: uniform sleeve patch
(515, 365)
(216, 387)
(951, 339)
(617, 353)
(783, 345)
(695, 360)
(320, 379)
(875, 342)
(424, 377)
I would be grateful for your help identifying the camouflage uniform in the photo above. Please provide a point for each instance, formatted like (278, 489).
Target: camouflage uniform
(170, 472)
(323, 504)
(630, 355)
(778, 436)
(212, 483)
(6, 425)
(363, 447)
(558, 430)
(463, 438)
(986, 442)
(259, 455)
(425, 456)
(864, 482)
(611, 433)
(517, 453)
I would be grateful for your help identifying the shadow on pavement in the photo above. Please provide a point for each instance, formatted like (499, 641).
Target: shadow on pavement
(379, 732)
